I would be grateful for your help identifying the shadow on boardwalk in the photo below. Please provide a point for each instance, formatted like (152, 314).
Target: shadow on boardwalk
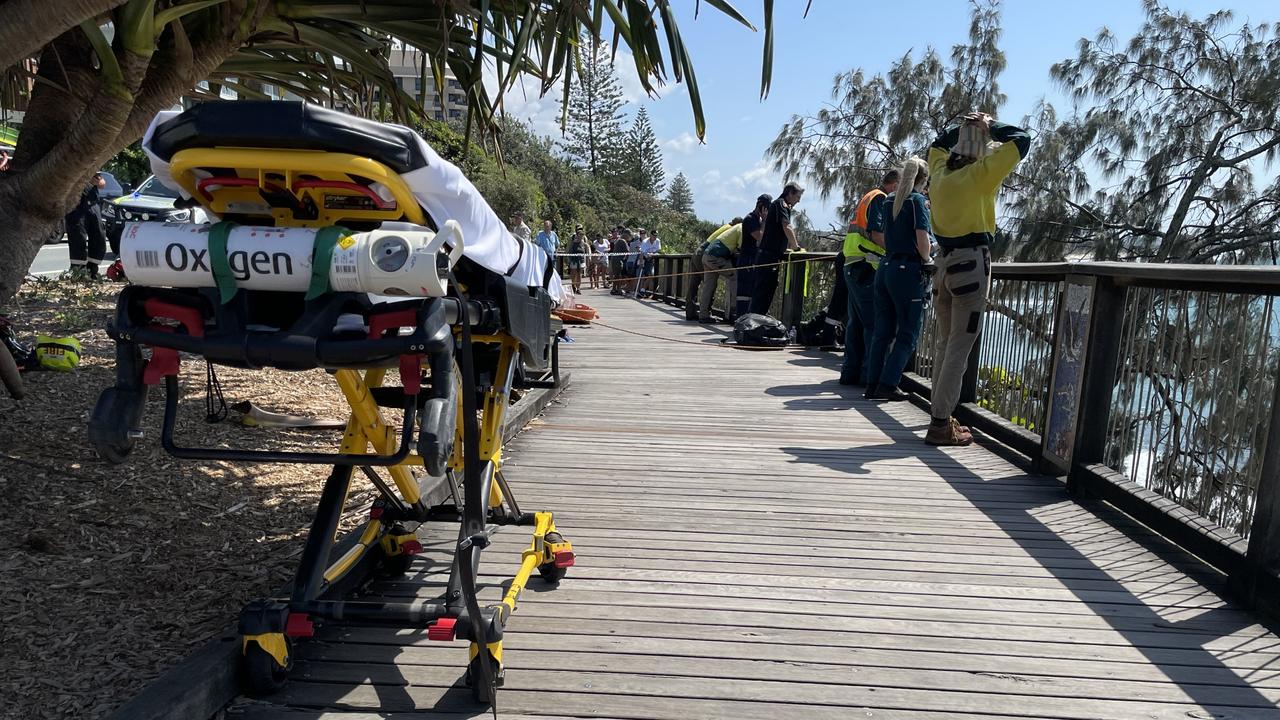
(1036, 521)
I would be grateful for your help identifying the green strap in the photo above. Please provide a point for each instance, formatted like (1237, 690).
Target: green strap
(218, 262)
(322, 258)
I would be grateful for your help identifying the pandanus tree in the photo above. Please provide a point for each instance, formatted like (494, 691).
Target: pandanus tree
(93, 73)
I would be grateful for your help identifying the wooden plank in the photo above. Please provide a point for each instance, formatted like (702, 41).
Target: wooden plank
(357, 663)
(527, 646)
(611, 544)
(924, 572)
(944, 584)
(793, 611)
(422, 688)
(586, 705)
(852, 630)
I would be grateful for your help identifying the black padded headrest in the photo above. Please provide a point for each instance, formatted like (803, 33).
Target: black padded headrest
(287, 126)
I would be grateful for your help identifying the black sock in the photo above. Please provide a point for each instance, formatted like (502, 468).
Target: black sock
(939, 423)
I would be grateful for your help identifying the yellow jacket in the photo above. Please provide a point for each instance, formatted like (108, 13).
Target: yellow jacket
(963, 201)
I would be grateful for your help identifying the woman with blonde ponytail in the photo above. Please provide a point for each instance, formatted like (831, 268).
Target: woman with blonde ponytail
(901, 283)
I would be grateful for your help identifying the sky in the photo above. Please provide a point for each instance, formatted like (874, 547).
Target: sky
(729, 170)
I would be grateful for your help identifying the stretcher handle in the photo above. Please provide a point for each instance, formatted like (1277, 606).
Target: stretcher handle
(478, 313)
(195, 453)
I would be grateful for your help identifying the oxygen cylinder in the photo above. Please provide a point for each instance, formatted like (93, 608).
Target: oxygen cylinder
(400, 259)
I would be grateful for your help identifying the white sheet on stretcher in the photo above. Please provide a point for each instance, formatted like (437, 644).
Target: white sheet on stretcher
(446, 194)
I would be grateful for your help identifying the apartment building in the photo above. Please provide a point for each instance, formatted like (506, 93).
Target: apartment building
(406, 66)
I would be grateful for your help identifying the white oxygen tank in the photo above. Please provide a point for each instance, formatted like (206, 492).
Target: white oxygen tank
(400, 260)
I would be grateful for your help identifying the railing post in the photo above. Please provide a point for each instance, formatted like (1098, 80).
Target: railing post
(793, 297)
(693, 283)
(1101, 363)
(680, 281)
(969, 381)
(1257, 580)
(664, 269)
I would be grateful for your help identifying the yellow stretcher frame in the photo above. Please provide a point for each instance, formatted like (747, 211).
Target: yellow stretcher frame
(367, 430)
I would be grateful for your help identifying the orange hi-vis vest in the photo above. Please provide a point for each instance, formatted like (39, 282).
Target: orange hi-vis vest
(857, 246)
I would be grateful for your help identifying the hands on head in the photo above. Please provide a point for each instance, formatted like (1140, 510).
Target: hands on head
(978, 118)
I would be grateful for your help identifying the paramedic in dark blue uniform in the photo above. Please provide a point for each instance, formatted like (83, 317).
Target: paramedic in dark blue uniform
(901, 283)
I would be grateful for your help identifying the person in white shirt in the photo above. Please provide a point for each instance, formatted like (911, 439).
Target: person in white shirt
(645, 264)
(651, 263)
(598, 263)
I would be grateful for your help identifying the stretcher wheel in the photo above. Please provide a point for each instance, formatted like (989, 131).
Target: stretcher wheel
(263, 674)
(475, 677)
(396, 565)
(551, 573)
(116, 414)
(548, 570)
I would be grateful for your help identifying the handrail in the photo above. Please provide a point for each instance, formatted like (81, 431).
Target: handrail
(1213, 278)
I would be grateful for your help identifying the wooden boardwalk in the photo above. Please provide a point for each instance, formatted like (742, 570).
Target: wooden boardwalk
(755, 541)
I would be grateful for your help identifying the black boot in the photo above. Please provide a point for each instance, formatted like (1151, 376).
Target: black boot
(893, 394)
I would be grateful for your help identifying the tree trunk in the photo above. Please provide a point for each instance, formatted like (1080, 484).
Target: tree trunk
(69, 135)
(1173, 233)
(28, 25)
(29, 216)
(53, 163)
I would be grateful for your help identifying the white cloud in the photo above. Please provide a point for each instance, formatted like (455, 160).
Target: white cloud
(758, 178)
(720, 193)
(682, 144)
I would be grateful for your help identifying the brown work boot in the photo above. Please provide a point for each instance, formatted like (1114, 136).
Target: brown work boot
(949, 434)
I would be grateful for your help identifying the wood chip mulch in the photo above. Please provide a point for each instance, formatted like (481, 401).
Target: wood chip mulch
(114, 572)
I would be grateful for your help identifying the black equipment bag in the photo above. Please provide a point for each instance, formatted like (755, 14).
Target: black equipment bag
(759, 330)
(821, 331)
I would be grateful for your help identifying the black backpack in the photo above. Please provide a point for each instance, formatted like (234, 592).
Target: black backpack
(759, 331)
(820, 332)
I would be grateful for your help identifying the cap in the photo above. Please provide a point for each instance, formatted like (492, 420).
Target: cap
(764, 199)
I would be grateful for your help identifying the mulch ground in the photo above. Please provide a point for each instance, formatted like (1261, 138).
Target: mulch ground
(113, 572)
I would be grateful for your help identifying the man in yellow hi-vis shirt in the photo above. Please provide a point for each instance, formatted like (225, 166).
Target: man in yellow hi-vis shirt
(965, 178)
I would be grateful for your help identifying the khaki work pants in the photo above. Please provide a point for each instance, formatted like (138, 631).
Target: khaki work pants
(713, 269)
(962, 285)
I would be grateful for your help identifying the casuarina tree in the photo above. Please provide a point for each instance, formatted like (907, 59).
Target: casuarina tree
(101, 69)
(874, 122)
(1169, 158)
